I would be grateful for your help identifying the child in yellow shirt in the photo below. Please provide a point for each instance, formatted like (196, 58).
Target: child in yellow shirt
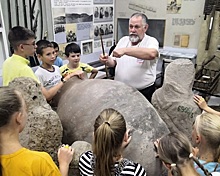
(72, 52)
(16, 159)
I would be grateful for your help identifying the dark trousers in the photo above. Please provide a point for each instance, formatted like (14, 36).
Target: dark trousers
(148, 92)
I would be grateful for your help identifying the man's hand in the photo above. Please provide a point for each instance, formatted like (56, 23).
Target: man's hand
(103, 58)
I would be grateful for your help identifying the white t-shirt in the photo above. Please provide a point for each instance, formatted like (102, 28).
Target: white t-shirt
(215, 173)
(136, 72)
(47, 78)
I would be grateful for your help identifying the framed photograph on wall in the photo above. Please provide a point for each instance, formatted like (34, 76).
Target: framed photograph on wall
(83, 23)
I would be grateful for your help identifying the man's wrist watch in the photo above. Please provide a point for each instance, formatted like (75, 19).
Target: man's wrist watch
(62, 79)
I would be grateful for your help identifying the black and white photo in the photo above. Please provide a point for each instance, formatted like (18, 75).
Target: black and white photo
(59, 16)
(104, 29)
(103, 14)
(79, 15)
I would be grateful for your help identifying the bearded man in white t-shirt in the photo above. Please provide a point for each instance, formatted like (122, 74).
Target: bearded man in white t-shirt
(135, 57)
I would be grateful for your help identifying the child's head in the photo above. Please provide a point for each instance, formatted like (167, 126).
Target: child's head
(12, 102)
(72, 48)
(56, 47)
(21, 38)
(45, 52)
(109, 132)
(72, 52)
(206, 132)
(175, 150)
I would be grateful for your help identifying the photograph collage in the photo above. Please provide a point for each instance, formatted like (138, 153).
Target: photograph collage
(84, 25)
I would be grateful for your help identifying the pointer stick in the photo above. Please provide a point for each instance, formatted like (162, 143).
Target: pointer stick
(103, 52)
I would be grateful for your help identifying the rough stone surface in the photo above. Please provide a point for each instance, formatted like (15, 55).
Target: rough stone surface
(79, 148)
(174, 100)
(82, 101)
(43, 130)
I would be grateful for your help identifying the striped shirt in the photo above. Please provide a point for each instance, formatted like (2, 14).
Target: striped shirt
(86, 162)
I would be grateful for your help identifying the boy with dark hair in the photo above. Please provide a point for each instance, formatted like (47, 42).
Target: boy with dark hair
(22, 40)
(72, 52)
(58, 61)
(49, 74)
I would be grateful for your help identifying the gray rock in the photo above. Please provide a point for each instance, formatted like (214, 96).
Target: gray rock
(43, 130)
(80, 102)
(174, 100)
(79, 148)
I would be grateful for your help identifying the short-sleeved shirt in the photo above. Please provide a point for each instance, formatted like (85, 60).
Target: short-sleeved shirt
(16, 66)
(82, 67)
(137, 73)
(48, 78)
(26, 162)
(58, 62)
(210, 166)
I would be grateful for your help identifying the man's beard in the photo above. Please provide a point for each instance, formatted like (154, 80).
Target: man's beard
(134, 38)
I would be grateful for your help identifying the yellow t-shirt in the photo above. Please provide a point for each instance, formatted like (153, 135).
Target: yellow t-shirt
(83, 67)
(16, 66)
(26, 162)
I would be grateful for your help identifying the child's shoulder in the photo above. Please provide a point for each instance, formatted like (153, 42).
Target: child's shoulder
(63, 67)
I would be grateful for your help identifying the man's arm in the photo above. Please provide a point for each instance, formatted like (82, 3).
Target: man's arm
(138, 52)
(108, 60)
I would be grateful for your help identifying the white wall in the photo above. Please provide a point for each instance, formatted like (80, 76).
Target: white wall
(191, 10)
(188, 21)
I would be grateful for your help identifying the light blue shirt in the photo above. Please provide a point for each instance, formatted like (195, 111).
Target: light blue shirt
(58, 62)
(210, 166)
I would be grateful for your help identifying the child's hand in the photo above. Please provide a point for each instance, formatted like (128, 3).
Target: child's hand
(80, 74)
(66, 77)
(200, 101)
(65, 155)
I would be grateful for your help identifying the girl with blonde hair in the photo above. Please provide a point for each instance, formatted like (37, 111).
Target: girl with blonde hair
(176, 153)
(110, 139)
(206, 137)
(15, 159)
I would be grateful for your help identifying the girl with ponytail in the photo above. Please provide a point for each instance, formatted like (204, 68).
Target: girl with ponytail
(110, 138)
(176, 153)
